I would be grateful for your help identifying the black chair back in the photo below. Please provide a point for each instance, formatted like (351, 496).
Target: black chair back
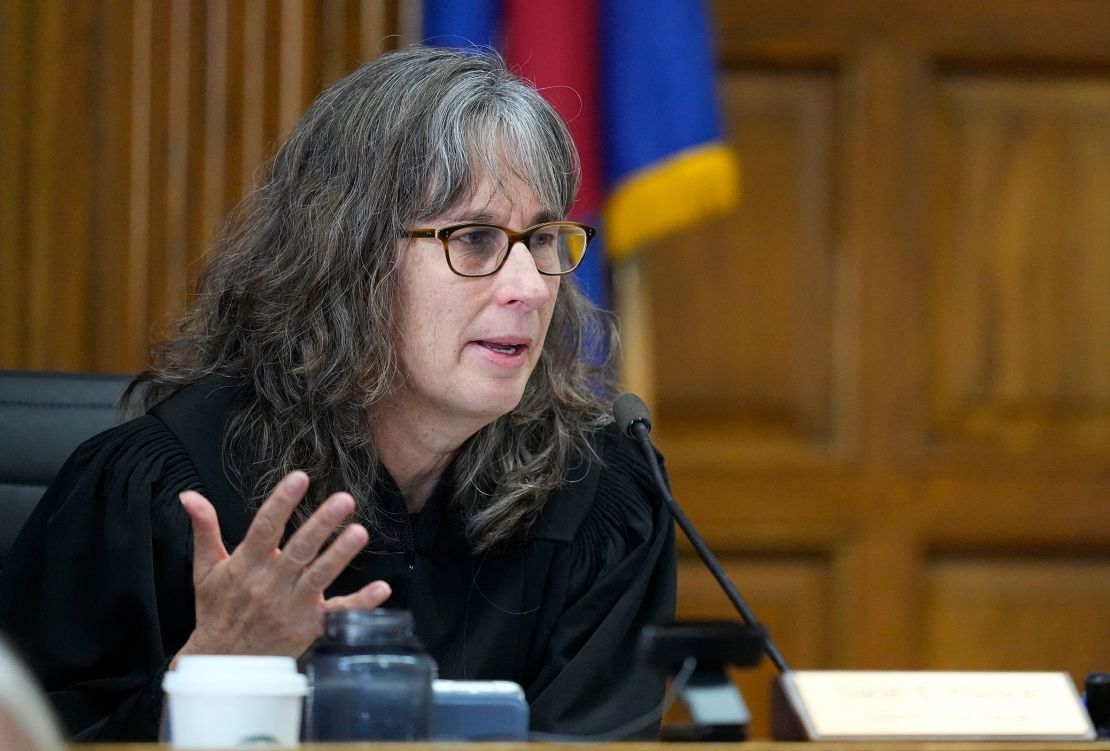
(43, 417)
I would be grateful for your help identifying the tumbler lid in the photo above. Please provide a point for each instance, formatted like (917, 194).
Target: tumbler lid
(381, 626)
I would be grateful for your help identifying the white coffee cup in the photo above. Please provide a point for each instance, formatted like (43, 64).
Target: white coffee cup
(230, 701)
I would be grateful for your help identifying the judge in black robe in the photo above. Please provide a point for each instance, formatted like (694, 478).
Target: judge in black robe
(387, 328)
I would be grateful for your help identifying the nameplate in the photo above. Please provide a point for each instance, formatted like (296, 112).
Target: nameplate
(863, 705)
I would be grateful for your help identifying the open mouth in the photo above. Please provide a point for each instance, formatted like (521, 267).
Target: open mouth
(504, 349)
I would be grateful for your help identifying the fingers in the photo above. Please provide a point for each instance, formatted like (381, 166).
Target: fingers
(369, 597)
(265, 531)
(208, 546)
(299, 567)
(332, 561)
(305, 543)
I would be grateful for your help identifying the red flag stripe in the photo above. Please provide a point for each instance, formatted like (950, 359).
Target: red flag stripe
(554, 44)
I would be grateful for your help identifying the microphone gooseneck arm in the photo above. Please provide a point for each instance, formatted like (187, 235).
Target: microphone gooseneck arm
(632, 415)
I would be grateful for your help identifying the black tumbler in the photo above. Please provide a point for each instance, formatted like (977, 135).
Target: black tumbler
(369, 679)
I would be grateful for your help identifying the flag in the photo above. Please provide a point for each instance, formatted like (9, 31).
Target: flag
(635, 82)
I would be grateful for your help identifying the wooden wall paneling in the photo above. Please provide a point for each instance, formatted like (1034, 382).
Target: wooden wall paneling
(1021, 304)
(1018, 407)
(984, 32)
(271, 60)
(111, 342)
(968, 227)
(380, 27)
(216, 193)
(1028, 612)
(299, 42)
(339, 30)
(197, 233)
(184, 129)
(234, 102)
(1031, 508)
(880, 602)
(128, 130)
(784, 510)
(134, 267)
(61, 177)
(882, 133)
(254, 32)
(160, 242)
(758, 261)
(354, 31)
(15, 116)
(751, 302)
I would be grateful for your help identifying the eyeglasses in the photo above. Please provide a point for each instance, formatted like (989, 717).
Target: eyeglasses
(481, 249)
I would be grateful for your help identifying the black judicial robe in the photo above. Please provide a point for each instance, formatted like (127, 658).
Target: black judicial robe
(97, 591)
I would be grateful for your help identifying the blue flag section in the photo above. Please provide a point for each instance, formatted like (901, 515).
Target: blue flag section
(462, 23)
(666, 164)
(642, 108)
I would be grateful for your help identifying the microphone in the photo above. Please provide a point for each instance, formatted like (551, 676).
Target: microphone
(633, 418)
(631, 414)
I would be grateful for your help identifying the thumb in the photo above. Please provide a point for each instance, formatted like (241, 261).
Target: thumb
(367, 598)
(208, 546)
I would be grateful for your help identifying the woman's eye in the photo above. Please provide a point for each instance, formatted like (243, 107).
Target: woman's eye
(543, 240)
(476, 240)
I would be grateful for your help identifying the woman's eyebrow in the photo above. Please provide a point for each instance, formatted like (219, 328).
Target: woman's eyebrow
(465, 216)
(484, 217)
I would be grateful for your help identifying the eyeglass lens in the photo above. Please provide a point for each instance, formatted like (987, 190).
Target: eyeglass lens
(478, 249)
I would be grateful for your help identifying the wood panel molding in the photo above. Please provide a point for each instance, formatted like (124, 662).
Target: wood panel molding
(772, 271)
(979, 32)
(1021, 279)
(990, 612)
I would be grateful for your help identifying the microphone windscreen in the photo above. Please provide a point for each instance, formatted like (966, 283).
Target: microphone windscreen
(630, 409)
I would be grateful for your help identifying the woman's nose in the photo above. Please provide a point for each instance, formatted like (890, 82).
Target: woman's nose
(519, 281)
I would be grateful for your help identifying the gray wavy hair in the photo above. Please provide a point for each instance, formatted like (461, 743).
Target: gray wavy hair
(301, 294)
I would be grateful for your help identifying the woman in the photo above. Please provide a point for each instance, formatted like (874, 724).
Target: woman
(378, 396)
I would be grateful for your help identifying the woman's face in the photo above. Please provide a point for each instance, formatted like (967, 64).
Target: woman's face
(469, 344)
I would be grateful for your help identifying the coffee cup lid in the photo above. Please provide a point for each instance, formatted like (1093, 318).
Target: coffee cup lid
(235, 674)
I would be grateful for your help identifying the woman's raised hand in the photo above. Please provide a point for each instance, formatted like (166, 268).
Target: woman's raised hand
(265, 600)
